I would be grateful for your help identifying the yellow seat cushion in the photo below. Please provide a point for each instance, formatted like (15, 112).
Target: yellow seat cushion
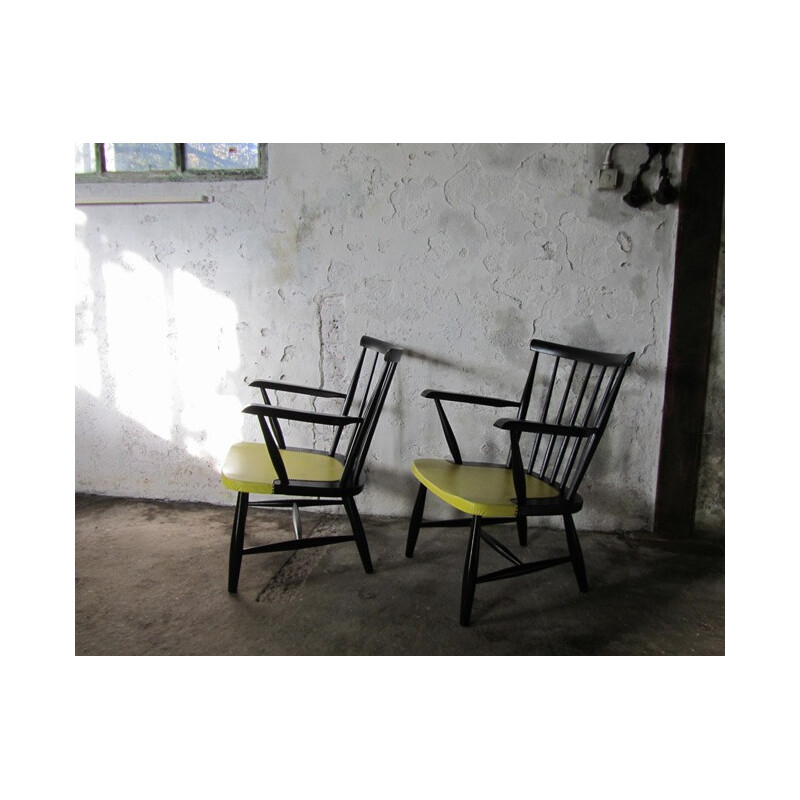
(485, 491)
(248, 468)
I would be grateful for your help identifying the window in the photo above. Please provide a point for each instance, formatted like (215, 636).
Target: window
(169, 161)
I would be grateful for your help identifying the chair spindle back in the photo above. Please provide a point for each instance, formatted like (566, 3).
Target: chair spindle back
(572, 387)
(372, 390)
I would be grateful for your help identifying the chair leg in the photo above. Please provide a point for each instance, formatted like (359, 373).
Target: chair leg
(576, 553)
(358, 533)
(237, 541)
(416, 518)
(470, 571)
(522, 531)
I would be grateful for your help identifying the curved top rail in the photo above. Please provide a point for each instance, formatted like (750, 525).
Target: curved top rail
(580, 354)
(389, 351)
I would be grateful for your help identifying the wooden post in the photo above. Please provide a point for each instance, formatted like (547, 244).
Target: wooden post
(702, 195)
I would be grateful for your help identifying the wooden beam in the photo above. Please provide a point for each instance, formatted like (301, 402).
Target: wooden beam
(702, 195)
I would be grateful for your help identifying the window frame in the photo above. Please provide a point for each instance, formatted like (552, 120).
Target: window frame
(179, 175)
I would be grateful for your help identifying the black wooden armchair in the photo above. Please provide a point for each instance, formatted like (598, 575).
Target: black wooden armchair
(304, 478)
(569, 393)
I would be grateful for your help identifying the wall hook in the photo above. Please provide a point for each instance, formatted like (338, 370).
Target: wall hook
(638, 194)
(666, 192)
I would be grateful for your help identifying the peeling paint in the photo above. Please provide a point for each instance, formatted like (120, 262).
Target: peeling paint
(462, 252)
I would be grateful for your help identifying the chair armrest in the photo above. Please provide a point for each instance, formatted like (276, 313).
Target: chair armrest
(279, 386)
(268, 416)
(281, 412)
(459, 397)
(516, 427)
(528, 426)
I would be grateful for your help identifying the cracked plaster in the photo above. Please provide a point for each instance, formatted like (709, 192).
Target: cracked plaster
(460, 253)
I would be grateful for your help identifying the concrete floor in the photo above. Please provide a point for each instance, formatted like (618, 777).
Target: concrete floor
(150, 579)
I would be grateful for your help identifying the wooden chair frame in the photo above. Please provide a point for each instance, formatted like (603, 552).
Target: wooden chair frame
(570, 420)
(298, 490)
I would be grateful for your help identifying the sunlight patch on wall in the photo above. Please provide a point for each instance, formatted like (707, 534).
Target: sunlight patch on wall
(207, 351)
(138, 356)
(87, 356)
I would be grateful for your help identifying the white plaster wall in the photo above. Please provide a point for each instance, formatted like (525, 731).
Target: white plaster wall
(461, 253)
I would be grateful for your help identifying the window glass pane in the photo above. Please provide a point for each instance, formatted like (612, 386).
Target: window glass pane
(140, 157)
(84, 157)
(222, 155)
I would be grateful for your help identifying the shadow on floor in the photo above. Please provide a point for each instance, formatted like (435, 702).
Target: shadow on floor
(151, 580)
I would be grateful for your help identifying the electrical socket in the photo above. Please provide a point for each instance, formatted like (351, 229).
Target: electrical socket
(608, 178)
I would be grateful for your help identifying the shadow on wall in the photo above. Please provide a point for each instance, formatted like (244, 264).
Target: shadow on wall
(158, 355)
(607, 497)
(435, 360)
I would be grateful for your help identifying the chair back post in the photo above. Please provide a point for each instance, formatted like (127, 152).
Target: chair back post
(580, 392)
(371, 408)
(273, 423)
(604, 415)
(351, 389)
(351, 393)
(274, 451)
(515, 464)
(525, 399)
